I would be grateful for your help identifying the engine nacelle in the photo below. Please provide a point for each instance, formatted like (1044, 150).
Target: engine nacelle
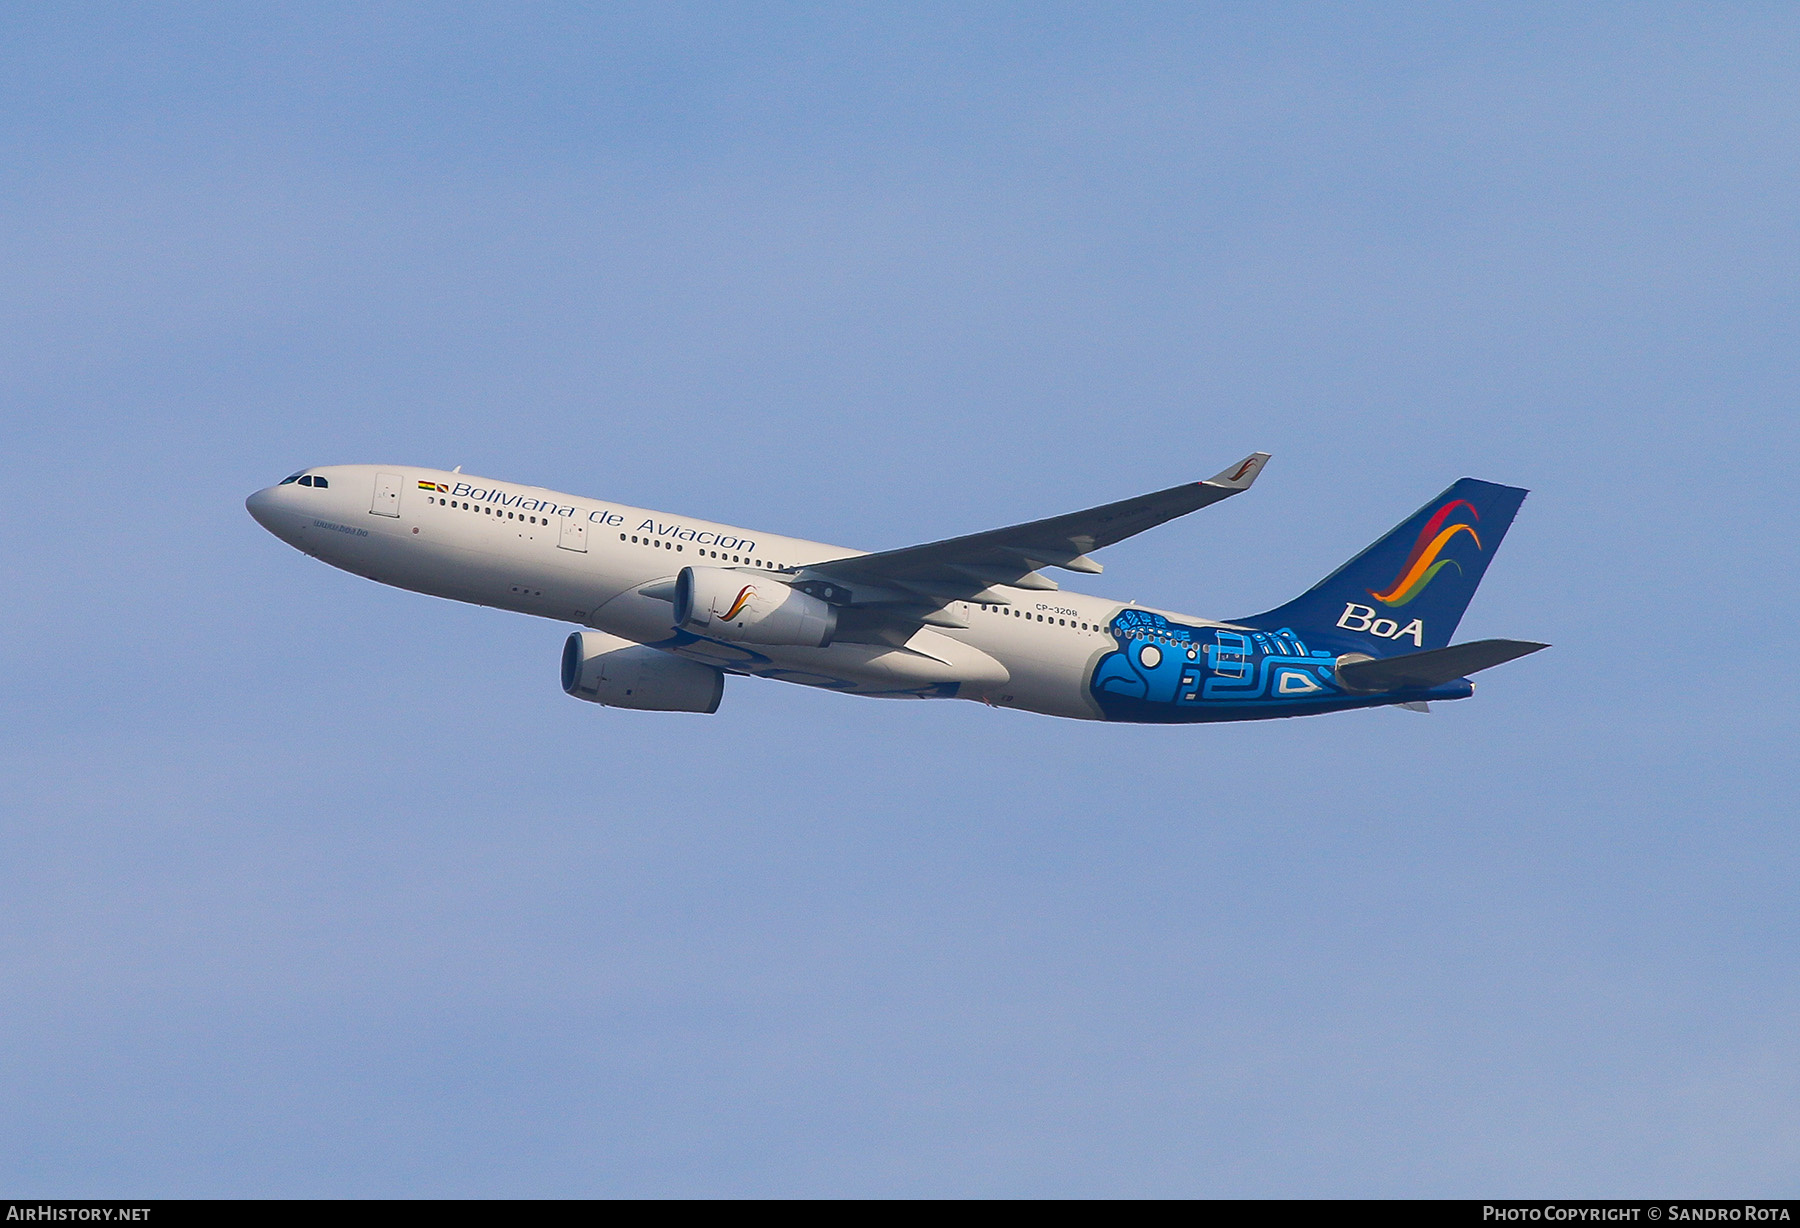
(752, 609)
(605, 669)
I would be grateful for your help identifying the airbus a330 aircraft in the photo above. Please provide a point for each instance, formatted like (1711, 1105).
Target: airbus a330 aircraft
(671, 605)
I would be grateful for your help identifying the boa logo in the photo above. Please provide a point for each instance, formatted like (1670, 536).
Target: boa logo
(1362, 618)
(1423, 564)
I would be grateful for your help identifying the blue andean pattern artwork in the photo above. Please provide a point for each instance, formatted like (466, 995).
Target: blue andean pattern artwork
(1165, 671)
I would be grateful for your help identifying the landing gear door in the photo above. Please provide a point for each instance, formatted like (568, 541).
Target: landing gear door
(574, 534)
(387, 495)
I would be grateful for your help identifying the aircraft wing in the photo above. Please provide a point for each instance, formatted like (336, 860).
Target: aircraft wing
(965, 568)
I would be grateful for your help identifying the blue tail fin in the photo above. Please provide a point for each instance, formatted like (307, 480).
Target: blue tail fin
(1409, 590)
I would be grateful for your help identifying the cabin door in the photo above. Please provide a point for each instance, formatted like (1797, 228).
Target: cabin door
(574, 534)
(387, 495)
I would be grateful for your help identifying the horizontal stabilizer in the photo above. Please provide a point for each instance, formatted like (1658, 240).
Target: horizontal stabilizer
(1422, 670)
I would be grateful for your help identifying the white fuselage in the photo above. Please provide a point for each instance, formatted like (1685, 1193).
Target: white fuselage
(582, 561)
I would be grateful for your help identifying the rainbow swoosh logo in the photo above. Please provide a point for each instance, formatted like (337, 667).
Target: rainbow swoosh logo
(1423, 563)
(737, 607)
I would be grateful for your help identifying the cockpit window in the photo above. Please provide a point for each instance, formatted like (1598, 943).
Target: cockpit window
(311, 479)
(292, 477)
(320, 482)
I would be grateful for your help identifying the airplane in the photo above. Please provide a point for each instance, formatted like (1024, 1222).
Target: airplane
(668, 605)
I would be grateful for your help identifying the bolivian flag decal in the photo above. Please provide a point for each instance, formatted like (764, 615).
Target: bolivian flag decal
(439, 487)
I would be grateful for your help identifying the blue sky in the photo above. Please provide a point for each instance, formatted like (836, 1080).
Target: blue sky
(314, 887)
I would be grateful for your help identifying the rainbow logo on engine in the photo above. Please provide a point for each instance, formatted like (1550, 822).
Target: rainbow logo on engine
(737, 607)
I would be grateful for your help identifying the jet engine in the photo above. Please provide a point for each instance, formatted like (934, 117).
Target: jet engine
(605, 669)
(750, 608)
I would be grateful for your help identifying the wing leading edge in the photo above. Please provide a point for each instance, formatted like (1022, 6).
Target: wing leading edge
(966, 568)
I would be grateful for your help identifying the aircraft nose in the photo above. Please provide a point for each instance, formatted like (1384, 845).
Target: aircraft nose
(272, 510)
(261, 507)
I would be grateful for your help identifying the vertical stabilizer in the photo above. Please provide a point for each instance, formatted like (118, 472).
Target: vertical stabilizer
(1409, 590)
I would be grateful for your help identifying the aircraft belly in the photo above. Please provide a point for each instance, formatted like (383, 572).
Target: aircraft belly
(636, 617)
(930, 663)
(931, 666)
(1052, 685)
(521, 580)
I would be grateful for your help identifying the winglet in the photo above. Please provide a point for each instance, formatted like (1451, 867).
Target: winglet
(1240, 475)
